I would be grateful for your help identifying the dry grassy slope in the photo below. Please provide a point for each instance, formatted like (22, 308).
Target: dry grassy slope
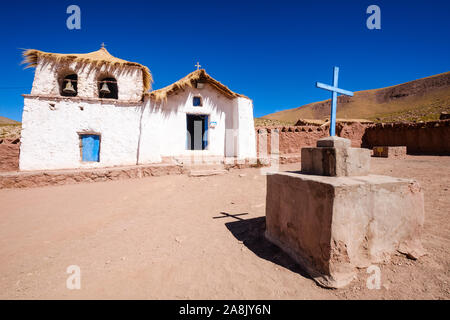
(422, 99)
(7, 121)
(9, 129)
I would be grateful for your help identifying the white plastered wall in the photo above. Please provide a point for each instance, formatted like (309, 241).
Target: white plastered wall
(169, 120)
(246, 138)
(163, 128)
(50, 134)
(149, 134)
(51, 124)
(132, 131)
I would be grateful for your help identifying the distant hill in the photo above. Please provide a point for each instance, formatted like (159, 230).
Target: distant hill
(9, 128)
(418, 100)
(7, 121)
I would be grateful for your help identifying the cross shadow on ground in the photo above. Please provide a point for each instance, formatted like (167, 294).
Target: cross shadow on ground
(251, 233)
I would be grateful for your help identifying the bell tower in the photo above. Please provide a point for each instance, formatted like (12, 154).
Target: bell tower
(95, 75)
(80, 109)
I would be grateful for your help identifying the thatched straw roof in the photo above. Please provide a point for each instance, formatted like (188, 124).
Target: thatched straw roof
(189, 81)
(99, 57)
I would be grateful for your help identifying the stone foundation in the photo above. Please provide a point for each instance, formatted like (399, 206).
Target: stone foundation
(61, 177)
(26, 179)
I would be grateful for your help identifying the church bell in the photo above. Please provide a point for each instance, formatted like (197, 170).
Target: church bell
(104, 89)
(69, 87)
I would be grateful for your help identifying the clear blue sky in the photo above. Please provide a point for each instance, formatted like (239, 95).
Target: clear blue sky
(271, 51)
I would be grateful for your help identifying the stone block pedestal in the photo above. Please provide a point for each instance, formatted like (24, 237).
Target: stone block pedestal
(334, 157)
(332, 225)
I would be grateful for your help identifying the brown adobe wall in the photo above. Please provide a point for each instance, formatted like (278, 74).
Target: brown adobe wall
(294, 138)
(431, 138)
(9, 154)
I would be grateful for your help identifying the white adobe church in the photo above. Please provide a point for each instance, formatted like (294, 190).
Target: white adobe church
(95, 110)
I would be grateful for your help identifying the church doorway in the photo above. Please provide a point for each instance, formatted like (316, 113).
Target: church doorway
(197, 131)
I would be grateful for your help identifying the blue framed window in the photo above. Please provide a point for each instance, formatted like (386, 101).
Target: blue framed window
(197, 102)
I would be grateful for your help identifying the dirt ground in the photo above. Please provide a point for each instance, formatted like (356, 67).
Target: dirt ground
(170, 238)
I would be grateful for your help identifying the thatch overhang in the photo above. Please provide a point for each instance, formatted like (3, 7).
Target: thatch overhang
(190, 81)
(99, 57)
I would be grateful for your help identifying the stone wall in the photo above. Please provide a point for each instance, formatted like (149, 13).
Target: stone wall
(419, 138)
(9, 154)
(293, 138)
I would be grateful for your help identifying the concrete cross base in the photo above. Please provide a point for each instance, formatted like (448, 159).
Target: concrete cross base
(334, 157)
(333, 225)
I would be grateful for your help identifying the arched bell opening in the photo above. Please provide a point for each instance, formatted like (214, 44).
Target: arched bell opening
(107, 88)
(69, 86)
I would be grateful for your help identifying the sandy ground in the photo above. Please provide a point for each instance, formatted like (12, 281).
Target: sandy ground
(166, 238)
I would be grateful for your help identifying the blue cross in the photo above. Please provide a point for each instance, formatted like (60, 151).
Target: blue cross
(335, 90)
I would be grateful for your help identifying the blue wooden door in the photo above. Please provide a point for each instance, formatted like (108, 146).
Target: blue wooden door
(91, 147)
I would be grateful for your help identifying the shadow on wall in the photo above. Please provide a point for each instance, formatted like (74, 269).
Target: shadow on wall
(251, 233)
